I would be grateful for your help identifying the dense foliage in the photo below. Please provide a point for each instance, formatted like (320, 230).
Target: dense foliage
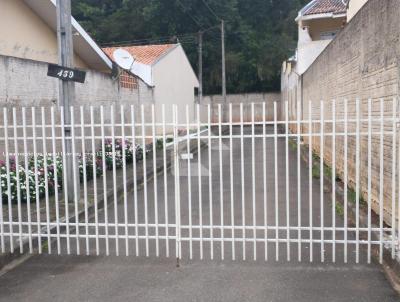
(260, 34)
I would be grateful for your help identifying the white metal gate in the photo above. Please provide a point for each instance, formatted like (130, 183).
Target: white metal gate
(185, 183)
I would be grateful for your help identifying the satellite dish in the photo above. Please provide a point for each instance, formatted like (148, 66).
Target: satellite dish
(123, 58)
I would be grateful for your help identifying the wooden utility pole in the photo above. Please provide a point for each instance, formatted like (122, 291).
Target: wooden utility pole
(200, 67)
(223, 68)
(67, 89)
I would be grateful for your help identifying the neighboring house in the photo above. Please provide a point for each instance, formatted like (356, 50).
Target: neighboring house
(318, 22)
(28, 41)
(28, 30)
(167, 69)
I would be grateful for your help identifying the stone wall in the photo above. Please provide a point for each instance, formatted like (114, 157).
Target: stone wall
(362, 62)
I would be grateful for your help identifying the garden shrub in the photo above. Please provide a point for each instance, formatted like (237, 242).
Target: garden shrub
(42, 161)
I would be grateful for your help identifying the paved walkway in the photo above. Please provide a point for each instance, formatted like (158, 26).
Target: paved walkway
(91, 278)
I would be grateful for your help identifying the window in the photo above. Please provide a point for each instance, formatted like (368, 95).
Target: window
(328, 35)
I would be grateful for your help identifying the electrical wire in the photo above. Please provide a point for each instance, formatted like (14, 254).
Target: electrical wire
(156, 40)
(209, 8)
(186, 11)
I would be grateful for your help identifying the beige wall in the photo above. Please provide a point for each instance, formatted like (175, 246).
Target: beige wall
(310, 44)
(318, 26)
(174, 82)
(354, 7)
(246, 99)
(24, 35)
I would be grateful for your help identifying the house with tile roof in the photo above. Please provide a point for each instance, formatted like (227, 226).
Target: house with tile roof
(318, 22)
(165, 68)
(34, 36)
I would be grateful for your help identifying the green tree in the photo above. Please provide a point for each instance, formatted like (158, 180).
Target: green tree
(260, 34)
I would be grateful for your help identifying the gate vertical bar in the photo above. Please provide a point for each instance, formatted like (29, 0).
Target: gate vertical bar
(358, 181)
(242, 182)
(276, 180)
(178, 245)
(16, 158)
(135, 184)
(27, 180)
(253, 176)
(221, 183)
(35, 158)
(2, 242)
(189, 183)
(287, 180)
(155, 180)
(114, 174)
(231, 179)
(334, 181)
(200, 180)
(165, 181)
(369, 176)
(346, 133)
(381, 181)
(210, 183)
(265, 184)
(321, 164)
(299, 180)
(84, 169)
(75, 184)
(103, 158)
(394, 163)
(9, 201)
(125, 190)
(94, 158)
(310, 177)
(46, 178)
(144, 148)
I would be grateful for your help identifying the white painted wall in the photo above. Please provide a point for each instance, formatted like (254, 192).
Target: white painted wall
(354, 7)
(174, 81)
(308, 52)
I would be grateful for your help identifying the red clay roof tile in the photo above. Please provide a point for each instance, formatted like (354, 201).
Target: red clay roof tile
(326, 6)
(145, 54)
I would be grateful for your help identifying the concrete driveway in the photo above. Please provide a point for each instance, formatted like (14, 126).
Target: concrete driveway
(92, 278)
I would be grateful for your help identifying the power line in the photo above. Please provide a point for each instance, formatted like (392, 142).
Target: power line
(185, 10)
(162, 39)
(209, 8)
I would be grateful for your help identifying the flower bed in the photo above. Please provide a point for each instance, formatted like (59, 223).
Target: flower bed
(28, 177)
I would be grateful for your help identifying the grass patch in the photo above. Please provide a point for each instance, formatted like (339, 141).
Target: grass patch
(352, 197)
(316, 172)
(293, 144)
(45, 246)
(339, 209)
